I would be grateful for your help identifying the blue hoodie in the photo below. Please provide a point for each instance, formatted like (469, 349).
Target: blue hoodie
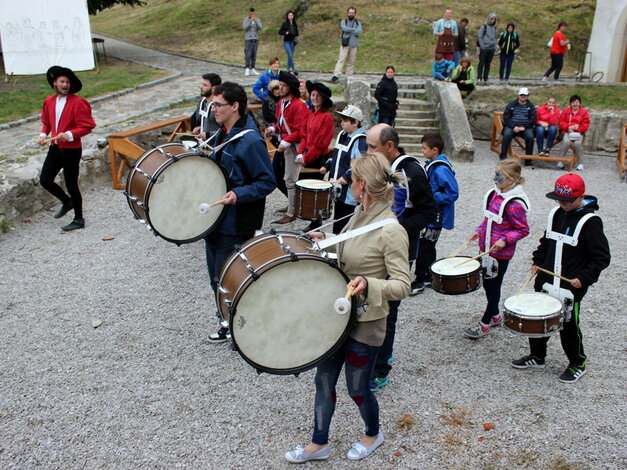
(445, 191)
(260, 88)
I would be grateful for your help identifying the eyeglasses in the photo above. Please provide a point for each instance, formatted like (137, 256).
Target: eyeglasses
(215, 104)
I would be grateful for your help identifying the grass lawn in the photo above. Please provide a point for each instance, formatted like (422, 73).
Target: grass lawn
(23, 95)
(396, 32)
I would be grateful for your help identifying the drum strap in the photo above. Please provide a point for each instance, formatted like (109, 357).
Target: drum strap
(321, 245)
(282, 120)
(343, 149)
(232, 139)
(405, 185)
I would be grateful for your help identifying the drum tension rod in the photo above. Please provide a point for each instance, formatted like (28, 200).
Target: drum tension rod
(293, 257)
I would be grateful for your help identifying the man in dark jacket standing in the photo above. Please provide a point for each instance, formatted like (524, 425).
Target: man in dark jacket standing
(519, 119)
(242, 152)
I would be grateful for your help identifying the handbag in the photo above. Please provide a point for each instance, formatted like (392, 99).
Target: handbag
(375, 115)
(345, 41)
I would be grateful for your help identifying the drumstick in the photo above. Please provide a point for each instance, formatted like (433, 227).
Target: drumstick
(50, 139)
(204, 207)
(460, 249)
(526, 283)
(349, 292)
(475, 257)
(554, 274)
(343, 304)
(185, 133)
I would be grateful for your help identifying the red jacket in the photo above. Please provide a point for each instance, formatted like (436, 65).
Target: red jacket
(295, 114)
(76, 118)
(317, 135)
(567, 118)
(545, 115)
(557, 48)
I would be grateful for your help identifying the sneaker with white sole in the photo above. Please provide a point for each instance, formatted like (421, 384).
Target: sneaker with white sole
(572, 374)
(360, 451)
(497, 320)
(560, 165)
(579, 167)
(298, 455)
(528, 362)
(417, 287)
(254, 72)
(478, 331)
(220, 336)
(247, 71)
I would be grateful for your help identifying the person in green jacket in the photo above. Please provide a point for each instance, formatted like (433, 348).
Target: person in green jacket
(464, 76)
(509, 42)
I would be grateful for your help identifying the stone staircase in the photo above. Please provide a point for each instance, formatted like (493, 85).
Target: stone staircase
(415, 117)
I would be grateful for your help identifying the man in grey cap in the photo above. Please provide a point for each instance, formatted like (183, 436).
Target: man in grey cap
(351, 29)
(252, 26)
(519, 119)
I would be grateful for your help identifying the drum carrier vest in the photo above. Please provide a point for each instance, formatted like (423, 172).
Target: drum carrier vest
(554, 289)
(489, 264)
(405, 185)
(343, 148)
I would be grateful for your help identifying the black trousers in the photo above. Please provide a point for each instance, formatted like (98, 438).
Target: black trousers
(571, 338)
(492, 288)
(67, 160)
(485, 60)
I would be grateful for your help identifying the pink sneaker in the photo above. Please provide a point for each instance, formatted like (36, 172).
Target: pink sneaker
(497, 320)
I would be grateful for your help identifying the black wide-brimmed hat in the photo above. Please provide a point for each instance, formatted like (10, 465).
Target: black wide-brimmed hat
(324, 91)
(291, 81)
(57, 71)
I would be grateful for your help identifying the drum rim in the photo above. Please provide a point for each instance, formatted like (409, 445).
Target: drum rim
(158, 172)
(454, 276)
(326, 188)
(310, 365)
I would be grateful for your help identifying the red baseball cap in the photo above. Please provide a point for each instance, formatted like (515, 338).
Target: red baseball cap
(567, 188)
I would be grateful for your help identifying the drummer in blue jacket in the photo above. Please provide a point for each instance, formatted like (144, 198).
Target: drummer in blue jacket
(241, 150)
(445, 192)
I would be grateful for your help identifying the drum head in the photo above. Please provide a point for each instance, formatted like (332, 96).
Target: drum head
(180, 187)
(447, 266)
(314, 185)
(285, 322)
(532, 305)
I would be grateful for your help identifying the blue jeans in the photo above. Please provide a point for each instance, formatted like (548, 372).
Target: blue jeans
(551, 132)
(508, 135)
(506, 65)
(250, 53)
(289, 48)
(492, 288)
(387, 120)
(442, 76)
(358, 359)
(457, 56)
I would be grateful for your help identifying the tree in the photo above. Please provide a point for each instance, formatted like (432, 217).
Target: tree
(94, 6)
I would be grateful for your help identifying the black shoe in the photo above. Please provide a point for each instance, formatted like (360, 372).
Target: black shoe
(527, 362)
(528, 162)
(502, 157)
(572, 374)
(220, 336)
(417, 287)
(65, 208)
(75, 224)
(334, 79)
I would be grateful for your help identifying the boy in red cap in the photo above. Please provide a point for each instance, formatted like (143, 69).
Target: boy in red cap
(575, 247)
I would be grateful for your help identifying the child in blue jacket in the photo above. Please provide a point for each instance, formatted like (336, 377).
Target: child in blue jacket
(442, 68)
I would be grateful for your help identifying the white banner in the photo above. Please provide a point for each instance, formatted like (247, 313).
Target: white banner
(37, 34)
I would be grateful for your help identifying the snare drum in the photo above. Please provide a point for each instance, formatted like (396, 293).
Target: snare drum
(166, 186)
(533, 314)
(279, 297)
(448, 278)
(313, 199)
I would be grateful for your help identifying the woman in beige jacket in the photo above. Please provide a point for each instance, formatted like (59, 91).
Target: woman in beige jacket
(377, 264)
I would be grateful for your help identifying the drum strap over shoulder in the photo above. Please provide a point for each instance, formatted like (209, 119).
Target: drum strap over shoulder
(232, 139)
(405, 185)
(321, 245)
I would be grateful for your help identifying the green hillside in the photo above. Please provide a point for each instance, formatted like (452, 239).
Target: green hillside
(396, 32)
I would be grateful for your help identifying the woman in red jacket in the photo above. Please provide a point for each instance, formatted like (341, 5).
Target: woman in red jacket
(558, 49)
(547, 120)
(574, 123)
(318, 131)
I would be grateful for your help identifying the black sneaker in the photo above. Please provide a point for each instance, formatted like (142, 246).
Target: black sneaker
(527, 362)
(65, 208)
(220, 336)
(572, 374)
(417, 287)
(74, 225)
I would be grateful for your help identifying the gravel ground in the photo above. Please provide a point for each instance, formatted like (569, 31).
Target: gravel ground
(145, 390)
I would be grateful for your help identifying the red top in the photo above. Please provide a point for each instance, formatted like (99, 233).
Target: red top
(295, 114)
(557, 48)
(317, 135)
(76, 118)
(545, 115)
(567, 119)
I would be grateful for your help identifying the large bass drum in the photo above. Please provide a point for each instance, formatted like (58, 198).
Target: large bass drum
(278, 295)
(166, 186)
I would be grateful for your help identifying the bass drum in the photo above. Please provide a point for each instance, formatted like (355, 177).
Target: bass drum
(167, 185)
(278, 295)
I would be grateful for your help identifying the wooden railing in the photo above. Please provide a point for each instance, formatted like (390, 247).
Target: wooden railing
(622, 151)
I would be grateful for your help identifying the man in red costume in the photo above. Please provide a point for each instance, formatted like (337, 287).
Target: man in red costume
(66, 118)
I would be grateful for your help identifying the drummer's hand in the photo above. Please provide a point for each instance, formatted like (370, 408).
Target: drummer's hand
(202, 135)
(499, 245)
(474, 236)
(316, 236)
(281, 148)
(576, 283)
(300, 160)
(196, 130)
(63, 137)
(341, 180)
(230, 198)
(323, 170)
(360, 284)
(534, 269)
(41, 141)
(269, 131)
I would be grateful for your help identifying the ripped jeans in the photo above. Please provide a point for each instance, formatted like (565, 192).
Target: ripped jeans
(359, 359)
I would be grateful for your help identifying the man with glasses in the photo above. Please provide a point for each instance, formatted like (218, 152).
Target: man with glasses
(241, 151)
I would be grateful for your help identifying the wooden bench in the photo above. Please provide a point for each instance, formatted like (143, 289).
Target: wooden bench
(122, 150)
(622, 151)
(496, 140)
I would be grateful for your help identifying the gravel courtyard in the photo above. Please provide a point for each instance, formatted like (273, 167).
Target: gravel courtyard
(145, 390)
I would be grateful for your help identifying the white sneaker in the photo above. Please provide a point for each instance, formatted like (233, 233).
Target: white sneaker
(254, 72)
(247, 72)
(560, 165)
(358, 451)
(580, 167)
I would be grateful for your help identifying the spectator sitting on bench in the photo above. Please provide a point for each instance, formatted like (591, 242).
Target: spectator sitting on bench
(519, 119)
